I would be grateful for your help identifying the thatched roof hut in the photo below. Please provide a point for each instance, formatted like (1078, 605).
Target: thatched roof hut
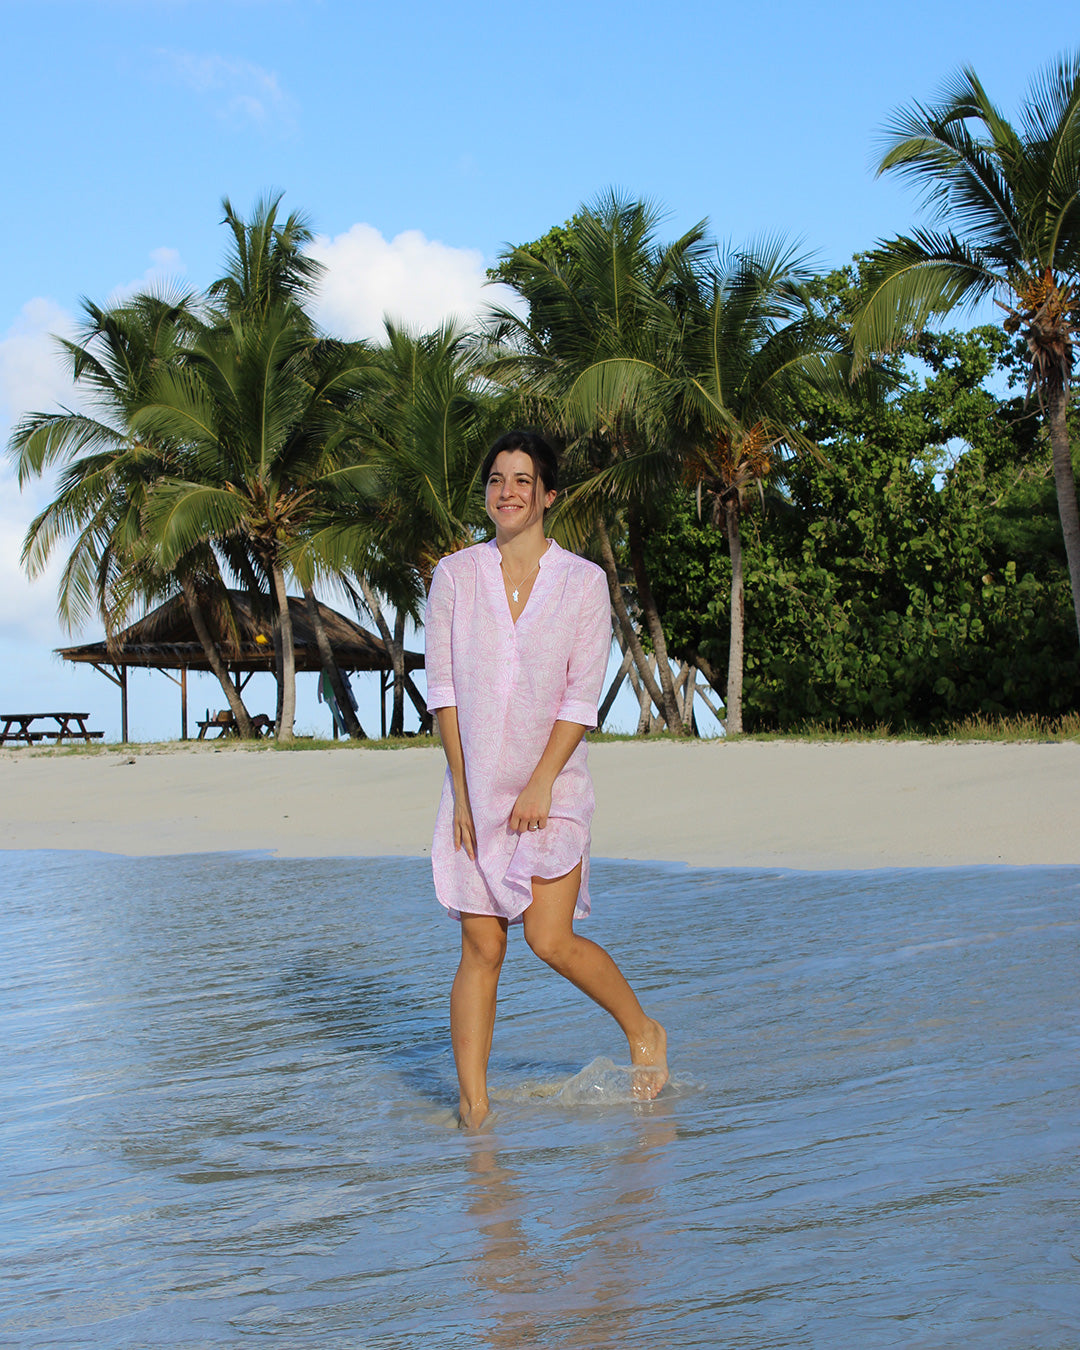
(165, 640)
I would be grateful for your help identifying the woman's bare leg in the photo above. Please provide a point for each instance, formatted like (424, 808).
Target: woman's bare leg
(549, 931)
(472, 1010)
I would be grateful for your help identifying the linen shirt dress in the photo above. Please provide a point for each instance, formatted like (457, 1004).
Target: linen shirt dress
(510, 683)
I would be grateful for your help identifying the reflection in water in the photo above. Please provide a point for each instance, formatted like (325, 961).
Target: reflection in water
(588, 1273)
(227, 1107)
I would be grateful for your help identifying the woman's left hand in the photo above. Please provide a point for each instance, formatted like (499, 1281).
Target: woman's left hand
(532, 808)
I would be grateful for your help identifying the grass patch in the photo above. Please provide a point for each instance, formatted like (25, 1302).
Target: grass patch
(830, 731)
(1030, 728)
(383, 743)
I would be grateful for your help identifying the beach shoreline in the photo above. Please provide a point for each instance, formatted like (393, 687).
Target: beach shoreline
(769, 804)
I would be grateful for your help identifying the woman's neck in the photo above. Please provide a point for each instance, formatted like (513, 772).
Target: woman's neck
(520, 552)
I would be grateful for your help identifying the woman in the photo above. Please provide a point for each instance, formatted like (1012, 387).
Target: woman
(517, 633)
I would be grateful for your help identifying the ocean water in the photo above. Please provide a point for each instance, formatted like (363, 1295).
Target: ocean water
(226, 1113)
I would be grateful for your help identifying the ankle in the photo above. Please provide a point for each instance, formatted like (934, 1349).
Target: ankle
(473, 1113)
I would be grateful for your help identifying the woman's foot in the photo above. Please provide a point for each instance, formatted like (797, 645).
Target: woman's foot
(649, 1054)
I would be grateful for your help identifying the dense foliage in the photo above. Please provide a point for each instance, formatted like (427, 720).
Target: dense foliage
(913, 577)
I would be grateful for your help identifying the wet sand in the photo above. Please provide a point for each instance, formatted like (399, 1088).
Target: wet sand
(793, 804)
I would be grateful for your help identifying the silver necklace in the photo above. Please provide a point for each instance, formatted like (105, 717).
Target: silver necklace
(518, 584)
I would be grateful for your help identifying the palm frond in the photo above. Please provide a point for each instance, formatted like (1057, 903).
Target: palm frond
(911, 279)
(182, 515)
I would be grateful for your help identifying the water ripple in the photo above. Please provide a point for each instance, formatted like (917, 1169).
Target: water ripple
(226, 1113)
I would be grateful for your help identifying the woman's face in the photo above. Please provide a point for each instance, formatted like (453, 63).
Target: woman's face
(514, 496)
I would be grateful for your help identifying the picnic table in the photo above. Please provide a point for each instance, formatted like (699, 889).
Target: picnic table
(64, 726)
(224, 724)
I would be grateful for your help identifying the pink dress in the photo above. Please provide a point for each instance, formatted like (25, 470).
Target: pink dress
(510, 683)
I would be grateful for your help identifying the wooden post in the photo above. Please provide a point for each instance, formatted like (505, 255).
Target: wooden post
(183, 703)
(382, 703)
(122, 673)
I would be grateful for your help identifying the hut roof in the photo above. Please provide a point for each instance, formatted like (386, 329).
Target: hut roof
(165, 639)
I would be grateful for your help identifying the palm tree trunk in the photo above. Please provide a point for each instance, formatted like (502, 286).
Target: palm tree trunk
(615, 685)
(733, 700)
(213, 656)
(287, 669)
(1065, 483)
(396, 649)
(618, 601)
(645, 717)
(670, 704)
(279, 674)
(330, 668)
(397, 716)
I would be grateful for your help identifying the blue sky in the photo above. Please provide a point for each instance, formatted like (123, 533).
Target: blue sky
(419, 138)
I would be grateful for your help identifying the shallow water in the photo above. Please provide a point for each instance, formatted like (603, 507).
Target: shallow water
(226, 1114)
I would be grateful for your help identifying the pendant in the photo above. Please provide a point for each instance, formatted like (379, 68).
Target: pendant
(514, 594)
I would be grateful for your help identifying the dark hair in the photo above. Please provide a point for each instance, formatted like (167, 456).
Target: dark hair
(543, 457)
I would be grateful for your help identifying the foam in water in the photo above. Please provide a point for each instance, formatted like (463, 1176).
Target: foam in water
(600, 1083)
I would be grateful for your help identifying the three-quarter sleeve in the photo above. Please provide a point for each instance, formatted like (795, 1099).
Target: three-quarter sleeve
(438, 623)
(589, 655)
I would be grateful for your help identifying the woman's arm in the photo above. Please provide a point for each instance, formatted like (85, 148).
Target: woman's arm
(577, 712)
(442, 699)
(534, 799)
(464, 829)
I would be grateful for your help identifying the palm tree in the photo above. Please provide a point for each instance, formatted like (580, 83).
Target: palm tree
(745, 347)
(257, 421)
(419, 435)
(108, 470)
(1007, 199)
(603, 290)
(266, 269)
(267, 264)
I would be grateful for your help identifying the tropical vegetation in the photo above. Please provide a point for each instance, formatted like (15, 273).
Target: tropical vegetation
(1007, 199)
(809, 508)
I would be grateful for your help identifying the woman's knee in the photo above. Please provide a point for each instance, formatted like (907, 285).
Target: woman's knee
(484, 946)
(549, 942)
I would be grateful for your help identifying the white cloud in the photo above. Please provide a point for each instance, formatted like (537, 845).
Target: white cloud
(162, 277)
(33, 377)
(413, 279)
(239, 91)
(27, 608)
(167, 260)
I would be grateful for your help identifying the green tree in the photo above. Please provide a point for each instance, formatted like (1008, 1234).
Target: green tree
(419, 434)
(1008, 199)
(744, 351)
(602, 289)
(257, 420)
(108, 471)
(903, 579)
(267, 268)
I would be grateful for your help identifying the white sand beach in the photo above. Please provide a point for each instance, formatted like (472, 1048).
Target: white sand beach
(749, 804)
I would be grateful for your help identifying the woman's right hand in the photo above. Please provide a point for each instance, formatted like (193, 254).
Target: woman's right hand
(464, 829)
(450, 733)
